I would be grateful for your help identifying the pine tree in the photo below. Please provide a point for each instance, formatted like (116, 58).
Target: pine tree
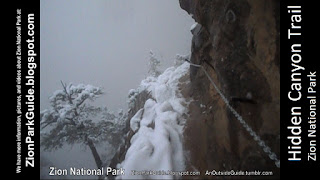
(154, 64)
(71, 119)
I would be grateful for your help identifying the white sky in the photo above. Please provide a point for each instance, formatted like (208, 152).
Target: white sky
(106, 43)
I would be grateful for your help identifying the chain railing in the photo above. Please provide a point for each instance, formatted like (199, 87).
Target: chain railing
(245, 125)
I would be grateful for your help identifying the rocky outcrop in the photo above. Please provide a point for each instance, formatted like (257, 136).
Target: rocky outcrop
(237, 41)
(139, 102)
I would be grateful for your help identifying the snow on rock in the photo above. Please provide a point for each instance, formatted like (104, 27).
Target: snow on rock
(135, 120)
(193, 26)
(156, 146)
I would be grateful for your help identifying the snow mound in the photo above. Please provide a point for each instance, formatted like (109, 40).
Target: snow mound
(156, 147)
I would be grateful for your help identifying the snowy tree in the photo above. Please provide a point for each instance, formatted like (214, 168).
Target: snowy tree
(72, 119)
(180, 59)
(154, 64)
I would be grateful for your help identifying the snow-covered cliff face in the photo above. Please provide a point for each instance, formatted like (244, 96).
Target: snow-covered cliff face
(237, 41)
(158, 127)
(157, 116)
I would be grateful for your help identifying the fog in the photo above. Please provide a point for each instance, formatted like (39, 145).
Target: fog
(105, 43)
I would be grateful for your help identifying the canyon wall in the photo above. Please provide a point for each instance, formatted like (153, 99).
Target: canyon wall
(237, 42)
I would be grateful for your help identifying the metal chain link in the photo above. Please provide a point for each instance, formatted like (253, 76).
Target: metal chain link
(257, 138)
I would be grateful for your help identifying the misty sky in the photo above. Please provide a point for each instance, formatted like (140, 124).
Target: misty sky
(106, 43)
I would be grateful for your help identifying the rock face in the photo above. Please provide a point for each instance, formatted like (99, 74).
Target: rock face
(237, 41)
